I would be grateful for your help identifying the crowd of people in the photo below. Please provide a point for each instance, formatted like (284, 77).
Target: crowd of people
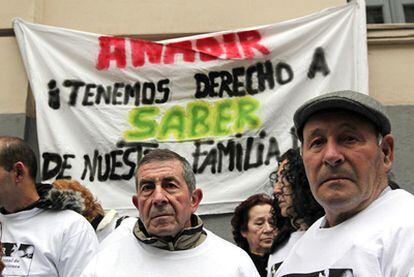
(334, 211)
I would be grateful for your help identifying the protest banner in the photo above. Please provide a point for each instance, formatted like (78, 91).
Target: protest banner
(223, 100)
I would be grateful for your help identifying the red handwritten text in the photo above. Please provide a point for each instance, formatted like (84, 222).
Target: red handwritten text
(246, 44)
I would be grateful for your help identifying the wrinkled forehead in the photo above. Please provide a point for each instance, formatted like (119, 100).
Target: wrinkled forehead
(336, 119)
(260, 210)
(161, 166)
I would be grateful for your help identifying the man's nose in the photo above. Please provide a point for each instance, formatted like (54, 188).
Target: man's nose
(333, 155)
(159, 196)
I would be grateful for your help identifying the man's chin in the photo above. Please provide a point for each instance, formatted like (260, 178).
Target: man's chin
(337, 201)
(163, 231)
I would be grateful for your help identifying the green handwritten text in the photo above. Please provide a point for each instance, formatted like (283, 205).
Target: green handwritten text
(199, 119)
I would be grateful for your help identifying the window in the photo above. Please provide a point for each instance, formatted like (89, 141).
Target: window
(406, 9)
(390, 11)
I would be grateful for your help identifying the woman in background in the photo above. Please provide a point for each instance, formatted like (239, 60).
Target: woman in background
(253, 229)
(294, 208)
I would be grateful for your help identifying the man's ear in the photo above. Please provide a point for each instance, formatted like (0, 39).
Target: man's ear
(387, 148)
(196, 197)
(20, 171)
(135, 201)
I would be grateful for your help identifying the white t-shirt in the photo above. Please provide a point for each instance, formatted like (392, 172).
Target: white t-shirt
(276, 258)
(124, 229)
(378, 241)
(121, 254)
(39, 242)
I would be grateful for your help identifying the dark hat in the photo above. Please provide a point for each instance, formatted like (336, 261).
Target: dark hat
(349, 100)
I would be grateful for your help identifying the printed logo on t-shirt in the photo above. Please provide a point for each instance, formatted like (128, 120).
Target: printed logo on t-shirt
(17, 258)
(337, 272)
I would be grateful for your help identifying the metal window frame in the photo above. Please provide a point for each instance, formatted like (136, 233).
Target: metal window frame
(385, 8)
(397, 10)
(393, 10)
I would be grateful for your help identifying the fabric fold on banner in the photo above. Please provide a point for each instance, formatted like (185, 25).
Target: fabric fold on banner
(223, 100)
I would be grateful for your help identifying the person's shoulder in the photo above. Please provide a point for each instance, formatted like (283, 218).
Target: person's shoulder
(403, 194)
(212, 236)
(67, 223)
(234, 257)
(402, 203)
(294, 236)
(398, 201)
(122, 232)
(388, 214)
(313, 228)
(125, 223)
(67, 217)
(223, 245)
(63, 216)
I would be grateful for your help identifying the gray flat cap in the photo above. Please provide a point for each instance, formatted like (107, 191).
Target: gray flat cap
(345, 100)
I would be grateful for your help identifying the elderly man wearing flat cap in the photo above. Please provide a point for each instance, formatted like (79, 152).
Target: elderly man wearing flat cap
(368, 229)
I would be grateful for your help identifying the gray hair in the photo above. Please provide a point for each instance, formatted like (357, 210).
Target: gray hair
(168, 155)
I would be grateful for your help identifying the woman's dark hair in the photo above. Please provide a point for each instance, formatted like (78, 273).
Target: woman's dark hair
(240, 217)
(304, 206)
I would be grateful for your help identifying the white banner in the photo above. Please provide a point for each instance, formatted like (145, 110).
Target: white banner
(224, 100)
